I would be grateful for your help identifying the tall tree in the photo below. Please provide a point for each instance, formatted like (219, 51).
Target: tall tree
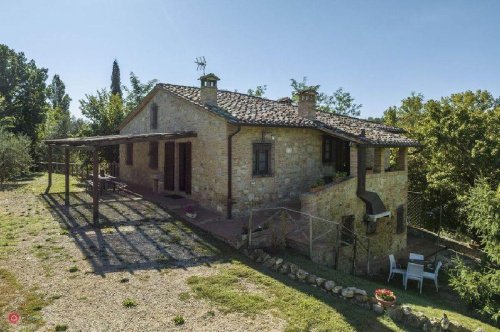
(23, 92)
(56, 93)
(340, 102)
(116, 88)
(137, 91)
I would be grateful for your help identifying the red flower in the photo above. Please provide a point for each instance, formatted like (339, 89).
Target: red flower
(385, 294)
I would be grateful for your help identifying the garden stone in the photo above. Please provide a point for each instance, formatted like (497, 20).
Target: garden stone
(279, 262)
(360, 298)
(270, 262)
(320, 281)
(301, 274)
(406, 310)
(293, 268)
(311, 278)
(445, 322)
(378, 309)
(395, 313)
(348, 293)
(360, 292)
(479, 329)
(292, 276)
(337, 289)
(457, 327)
(411, 320)
(328, 285)
(285, 268)
(266, 257)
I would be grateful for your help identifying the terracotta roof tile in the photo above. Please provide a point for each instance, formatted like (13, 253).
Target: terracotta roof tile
(249, 110)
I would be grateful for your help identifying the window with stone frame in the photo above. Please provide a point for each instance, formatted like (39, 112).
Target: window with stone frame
(129, 160)
(327, 149)
(261, 159)
(154, 116)
(400, 219)
(153, 155)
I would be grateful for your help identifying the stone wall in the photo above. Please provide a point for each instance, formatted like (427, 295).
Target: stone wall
(209, 148)
(296, 163)
(338, 200)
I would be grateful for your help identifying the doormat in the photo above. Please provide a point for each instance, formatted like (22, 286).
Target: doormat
(174, 196)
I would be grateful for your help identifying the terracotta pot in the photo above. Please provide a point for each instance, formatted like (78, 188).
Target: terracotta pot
(386, 304)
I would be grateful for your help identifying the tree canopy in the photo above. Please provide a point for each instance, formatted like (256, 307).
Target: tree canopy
(259, 91)
(339, 102)
(116, 88)
(137, 91)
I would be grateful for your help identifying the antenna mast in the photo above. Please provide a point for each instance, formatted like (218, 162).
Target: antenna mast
(201, 64)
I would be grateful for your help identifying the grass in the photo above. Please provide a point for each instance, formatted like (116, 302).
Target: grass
(303, 308)
(178, 320)
(129, 303)
(429, 302)
(184, 296)
(61, 327)
(73, 269)
(27, 302)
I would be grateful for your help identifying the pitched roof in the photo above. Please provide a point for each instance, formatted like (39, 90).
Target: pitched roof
(242, 109)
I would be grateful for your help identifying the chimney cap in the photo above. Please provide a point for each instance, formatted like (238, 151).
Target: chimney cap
(310, 90)
(209, 77)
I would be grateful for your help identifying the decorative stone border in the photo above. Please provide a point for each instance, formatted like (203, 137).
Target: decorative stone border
(400, 314)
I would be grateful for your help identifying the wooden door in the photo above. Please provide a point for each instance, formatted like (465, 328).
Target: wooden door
(169, 166)
(185, 167)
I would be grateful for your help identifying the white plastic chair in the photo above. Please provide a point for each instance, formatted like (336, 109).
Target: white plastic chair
(416, 257)
(393, 269)
(415, 272)
(434, 276)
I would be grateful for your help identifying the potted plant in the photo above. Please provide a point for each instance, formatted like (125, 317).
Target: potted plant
(190, 212)
(385, 297)
(339, 176)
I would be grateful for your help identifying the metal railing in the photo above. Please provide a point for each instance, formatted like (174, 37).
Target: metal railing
(303, 223)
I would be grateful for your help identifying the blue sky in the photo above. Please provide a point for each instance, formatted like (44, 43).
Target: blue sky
(380, 51)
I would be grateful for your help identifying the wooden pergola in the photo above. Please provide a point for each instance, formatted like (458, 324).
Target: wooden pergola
(93, 144)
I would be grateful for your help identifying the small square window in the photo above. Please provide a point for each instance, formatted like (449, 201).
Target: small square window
(262, 159)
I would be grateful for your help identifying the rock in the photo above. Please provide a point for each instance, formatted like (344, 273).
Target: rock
(246, 252)
(411, 320)
(257, 253)
(360, 292)
(348, 293)
(406, 309)
(445, 322)
(279, 262)
(378, 309)
(311, 278)
(337, 290)
(320, 281)
(270, 262)
(360, 298)
(328, 285)
(457, 327)
(265, 257)
(285, 268)
(301, 274)
(395, 313)
(292, 276)
(479, 329)
(293, 268)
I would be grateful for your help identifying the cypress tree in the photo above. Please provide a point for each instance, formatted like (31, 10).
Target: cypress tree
(115, 80)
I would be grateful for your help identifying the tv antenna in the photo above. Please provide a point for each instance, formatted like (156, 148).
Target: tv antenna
(201, 64)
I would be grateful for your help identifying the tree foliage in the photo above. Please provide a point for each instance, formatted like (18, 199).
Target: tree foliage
(56, 94)
(340, 102)
(137, 91)
(116, 88)
(460, 141)
(23, 92)
(15, 158)
(259, 91)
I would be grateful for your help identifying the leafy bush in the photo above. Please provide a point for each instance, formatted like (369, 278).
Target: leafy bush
(480, 288)
(178, 320)
(15, 159)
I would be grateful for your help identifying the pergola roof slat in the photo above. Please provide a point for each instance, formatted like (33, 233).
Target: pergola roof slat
(96, 141)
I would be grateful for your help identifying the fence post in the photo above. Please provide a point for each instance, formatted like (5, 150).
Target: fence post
(337, 245)
(354, 254)
(368, 258)
(310, 237)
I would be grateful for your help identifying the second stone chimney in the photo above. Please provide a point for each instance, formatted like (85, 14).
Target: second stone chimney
(307, 103)
(208, 89)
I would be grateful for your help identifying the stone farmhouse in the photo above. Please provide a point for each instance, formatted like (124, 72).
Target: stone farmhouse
(250, 151)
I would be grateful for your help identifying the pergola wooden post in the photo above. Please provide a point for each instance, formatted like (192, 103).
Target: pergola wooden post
(66, 175)
(49, 167)
(95, 185)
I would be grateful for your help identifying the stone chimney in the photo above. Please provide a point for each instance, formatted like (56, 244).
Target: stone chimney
(208, 89)
(307, 103)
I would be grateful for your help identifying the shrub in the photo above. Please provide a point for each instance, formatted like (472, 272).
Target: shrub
(15, 159)
(178, 320)
(129, 303)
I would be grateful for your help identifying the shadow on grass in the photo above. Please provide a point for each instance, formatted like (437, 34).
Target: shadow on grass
(19, 181)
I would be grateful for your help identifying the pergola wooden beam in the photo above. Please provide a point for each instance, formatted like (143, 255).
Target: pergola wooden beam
(98, 141)
(95, 185)
(66, 176)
